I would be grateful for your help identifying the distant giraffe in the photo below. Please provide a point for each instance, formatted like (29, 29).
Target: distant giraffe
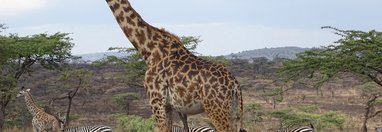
(178, 80)
(42, 121)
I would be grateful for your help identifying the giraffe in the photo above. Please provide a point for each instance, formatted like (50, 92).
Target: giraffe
(42, 121)
(178, 80)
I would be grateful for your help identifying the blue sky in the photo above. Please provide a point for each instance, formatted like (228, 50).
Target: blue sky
(225, 26)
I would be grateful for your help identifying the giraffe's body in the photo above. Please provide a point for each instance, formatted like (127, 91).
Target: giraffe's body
(41, 121)
(178, 80)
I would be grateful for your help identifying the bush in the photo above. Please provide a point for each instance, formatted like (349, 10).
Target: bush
(326, 120)
(256, 112)
(307, 108)
(123, 100)
(133, 123)
(331, 119)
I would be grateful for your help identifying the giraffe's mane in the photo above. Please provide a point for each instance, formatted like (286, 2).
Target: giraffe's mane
(168, 34)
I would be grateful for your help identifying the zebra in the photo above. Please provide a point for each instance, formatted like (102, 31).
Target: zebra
(192, 129)
(96, 128)
(99, 128)
(309, 128)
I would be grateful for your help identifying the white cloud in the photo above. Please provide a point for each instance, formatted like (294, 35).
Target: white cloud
(15, 7)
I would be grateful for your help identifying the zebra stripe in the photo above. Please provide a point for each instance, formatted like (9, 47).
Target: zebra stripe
(193, 129)
(299, 129)
(88, 129)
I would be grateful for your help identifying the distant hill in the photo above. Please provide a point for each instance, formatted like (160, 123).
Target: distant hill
(96, 56)
(269, 53)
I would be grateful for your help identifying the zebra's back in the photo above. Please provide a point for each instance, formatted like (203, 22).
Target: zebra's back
(193, 129)
(89, 129)
(299, 129)
(201, 129)
(302, 129)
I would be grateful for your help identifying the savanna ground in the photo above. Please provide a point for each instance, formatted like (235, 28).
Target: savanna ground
(97, 104)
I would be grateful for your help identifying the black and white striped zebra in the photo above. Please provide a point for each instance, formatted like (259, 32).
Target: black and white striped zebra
(298, 129)
(96, 128)
(193, 129)
(99, 128)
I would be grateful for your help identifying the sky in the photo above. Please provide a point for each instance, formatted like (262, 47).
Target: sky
(225, 26)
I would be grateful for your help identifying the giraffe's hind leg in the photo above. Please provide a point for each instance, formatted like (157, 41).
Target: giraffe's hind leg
(219, 114)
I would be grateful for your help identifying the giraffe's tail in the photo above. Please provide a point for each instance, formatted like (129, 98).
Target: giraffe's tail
(238, 108)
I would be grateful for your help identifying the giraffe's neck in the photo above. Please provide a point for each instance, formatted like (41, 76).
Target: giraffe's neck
(31, 104)
(151, 42)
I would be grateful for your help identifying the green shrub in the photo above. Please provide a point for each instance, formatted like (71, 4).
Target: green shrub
(256, 112)
(123, 100)
(321, 121)
(331, 119)
(120, 99)
(133, 123)
(308, 108)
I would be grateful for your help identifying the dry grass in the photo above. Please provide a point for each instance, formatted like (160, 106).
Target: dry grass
(96, 108)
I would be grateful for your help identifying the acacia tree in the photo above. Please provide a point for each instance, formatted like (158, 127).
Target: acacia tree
(72, 81)
(357, 52)
(18, 54)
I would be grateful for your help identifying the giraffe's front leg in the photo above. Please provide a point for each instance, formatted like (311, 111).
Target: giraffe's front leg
(34, 125)
(160, 107)
(162, 114)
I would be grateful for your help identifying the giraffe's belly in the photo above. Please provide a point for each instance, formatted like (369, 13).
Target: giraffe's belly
(195, 107)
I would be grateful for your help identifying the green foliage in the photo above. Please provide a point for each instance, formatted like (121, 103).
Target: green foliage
(123, 100)
(218, 60)
(133, 123)
(134, 64)
(74, 117)
(256, 112)
(331, 119)
(378, 102)
(120, 99)
(307, 108)
(2, 27)
(288, 118)
(190, 42)
(276, 93)
(369, 88)
(294, 117)
(72, 80)
(244, 82)
(47, 50)
(75, 74)
(7, 83)
(357, 52)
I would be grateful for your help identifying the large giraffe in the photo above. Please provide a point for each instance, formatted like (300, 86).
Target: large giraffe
(177, 79)
(42, 121)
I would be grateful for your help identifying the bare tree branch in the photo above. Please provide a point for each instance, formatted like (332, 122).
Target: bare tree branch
(375, 79)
